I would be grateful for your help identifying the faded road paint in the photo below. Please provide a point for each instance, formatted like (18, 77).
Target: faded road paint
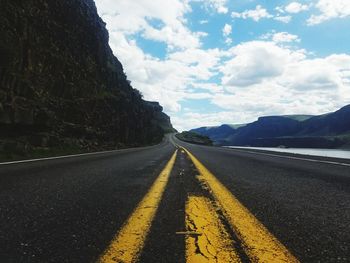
(206, 240)
(128, 243)
(259, 244)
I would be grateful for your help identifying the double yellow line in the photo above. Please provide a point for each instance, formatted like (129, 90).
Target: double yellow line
(207, 239)
(128, 244)
(258, 243)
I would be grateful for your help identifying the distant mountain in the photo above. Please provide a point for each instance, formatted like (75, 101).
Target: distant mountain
(335, 123)
(217, 133)
(330, 130)
(62, 87)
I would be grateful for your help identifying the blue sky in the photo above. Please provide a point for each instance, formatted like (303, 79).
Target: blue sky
(226, 61)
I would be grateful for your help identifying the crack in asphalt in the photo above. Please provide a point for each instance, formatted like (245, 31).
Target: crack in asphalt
(214, 243)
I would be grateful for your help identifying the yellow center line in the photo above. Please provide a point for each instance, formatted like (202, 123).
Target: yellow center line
(259, 244)
(128, 243)
(207, 240)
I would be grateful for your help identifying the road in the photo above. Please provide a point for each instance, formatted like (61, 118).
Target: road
(166, 203)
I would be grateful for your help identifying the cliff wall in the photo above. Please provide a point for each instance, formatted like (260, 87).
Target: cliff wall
(60, 83)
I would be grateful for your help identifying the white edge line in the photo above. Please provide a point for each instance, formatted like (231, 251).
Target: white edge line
(74, 155)
(291, 157)
(69, 156)
(58, 157)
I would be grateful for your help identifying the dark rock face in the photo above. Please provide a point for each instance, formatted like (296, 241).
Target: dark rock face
(60, 82)
(160, 118)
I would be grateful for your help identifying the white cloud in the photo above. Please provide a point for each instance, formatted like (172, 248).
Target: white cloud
(259, 63)
(169, 80)
(341, 61)
(154, 19)
(199, 64)
(252, 62)
(179, 38)
(256, 14)
(166, 80)
(283, 19)
(314, 74)
(210, 87)
(296, 7)
(284, 37)
(223, 10)
(280, 9)
(259, 13)
(330, 9)
(218, 5)
(321, 74)
(138, 11)
(226, 32)
(245, 105)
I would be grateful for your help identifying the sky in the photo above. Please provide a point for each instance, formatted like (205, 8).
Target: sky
(209, 62)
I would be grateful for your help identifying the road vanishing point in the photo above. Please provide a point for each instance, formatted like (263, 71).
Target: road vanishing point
(176, 202)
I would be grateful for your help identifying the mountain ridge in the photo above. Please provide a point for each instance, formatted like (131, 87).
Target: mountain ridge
(331, 130)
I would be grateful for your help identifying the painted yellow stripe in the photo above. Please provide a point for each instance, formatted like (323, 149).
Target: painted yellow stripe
(258, 243)
(128, 243)
(208, 241)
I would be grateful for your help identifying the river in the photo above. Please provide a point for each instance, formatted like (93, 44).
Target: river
(335, 153)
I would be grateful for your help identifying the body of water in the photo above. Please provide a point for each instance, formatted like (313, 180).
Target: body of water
(335, 153)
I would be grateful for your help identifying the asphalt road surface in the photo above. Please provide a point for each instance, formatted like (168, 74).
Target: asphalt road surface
(166, 203)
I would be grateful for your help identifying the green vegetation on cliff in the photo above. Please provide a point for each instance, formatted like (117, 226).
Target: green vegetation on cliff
(193, 137)
(62, 87)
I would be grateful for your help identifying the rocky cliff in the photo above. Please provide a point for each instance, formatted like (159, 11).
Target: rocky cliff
(60, 83)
